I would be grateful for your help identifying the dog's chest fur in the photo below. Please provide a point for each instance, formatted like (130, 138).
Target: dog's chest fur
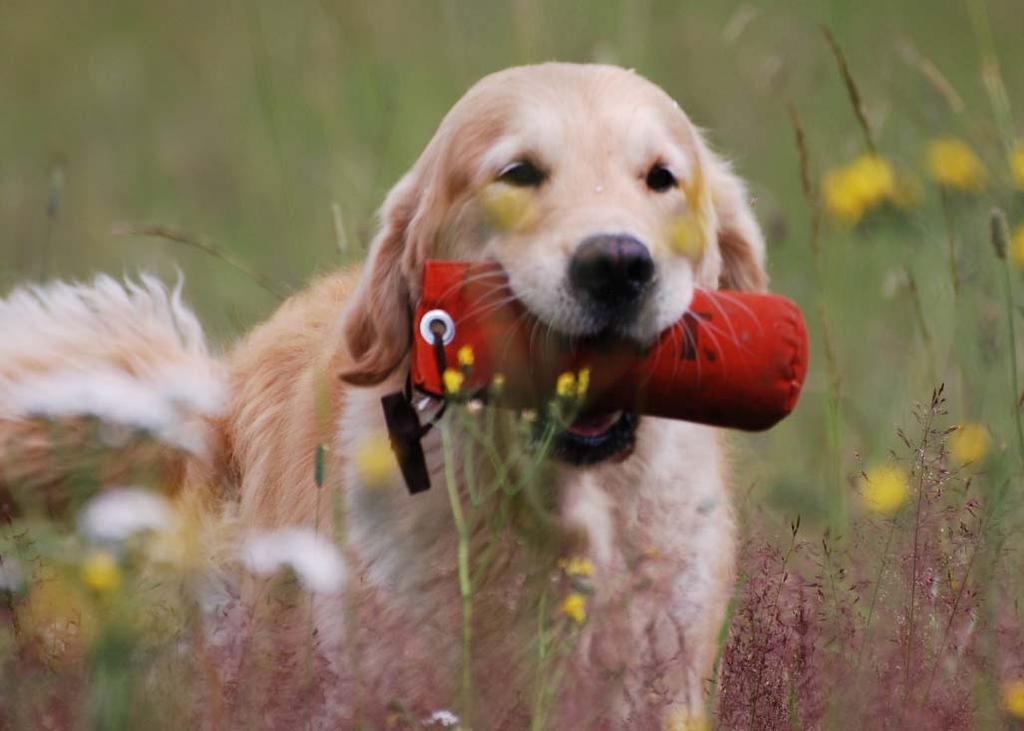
(658, 531)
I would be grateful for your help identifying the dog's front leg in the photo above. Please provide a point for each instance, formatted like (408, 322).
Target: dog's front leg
(660, 531)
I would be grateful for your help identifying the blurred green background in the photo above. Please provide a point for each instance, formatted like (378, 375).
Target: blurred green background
(246, 122)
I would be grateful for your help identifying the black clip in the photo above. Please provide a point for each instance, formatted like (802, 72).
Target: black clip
(405, 434)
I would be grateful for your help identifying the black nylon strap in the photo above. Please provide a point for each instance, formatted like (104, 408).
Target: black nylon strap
(404, 429)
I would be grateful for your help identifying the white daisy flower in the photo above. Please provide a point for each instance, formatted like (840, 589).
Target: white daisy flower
(443, 718)
(11, 576)
(64, 344)
(313, 558)
(118, 514)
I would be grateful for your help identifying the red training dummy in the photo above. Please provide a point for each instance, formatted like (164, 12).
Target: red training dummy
(734, 360)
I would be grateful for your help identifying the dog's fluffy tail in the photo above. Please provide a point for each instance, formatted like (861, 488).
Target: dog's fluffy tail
(103, 383)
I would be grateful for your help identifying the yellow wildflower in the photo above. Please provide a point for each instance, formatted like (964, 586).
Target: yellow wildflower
(687, 237)
(582, 383)
(874, 176)
(465, 356)
(100, 572)
(970, 443)
(577, 566)
(453, 380)
(953, 164)
(841, 199)
(566, 385)
(884, 489)
(1017, 164)
(1017, 247)
(855, 189)
(1013, 698)
(374, 460)
(575, 607)
(508, 207)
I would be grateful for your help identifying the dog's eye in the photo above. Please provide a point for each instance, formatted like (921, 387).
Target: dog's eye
(523, 174)
(660, 179)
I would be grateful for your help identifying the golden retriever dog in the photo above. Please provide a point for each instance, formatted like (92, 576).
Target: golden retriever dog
(578, 180)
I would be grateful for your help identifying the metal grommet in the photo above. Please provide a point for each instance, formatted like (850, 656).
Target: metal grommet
(437, 318)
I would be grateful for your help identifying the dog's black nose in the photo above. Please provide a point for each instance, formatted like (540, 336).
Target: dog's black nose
(611, 270)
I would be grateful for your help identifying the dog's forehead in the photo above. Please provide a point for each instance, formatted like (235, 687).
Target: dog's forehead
(552, 110)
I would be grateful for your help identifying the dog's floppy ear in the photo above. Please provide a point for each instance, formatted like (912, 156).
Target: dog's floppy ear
(376, 326)
(740, 241)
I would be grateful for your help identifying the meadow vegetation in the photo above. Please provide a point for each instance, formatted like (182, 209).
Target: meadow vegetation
(249, 145)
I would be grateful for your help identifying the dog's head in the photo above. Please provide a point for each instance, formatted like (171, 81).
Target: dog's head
(592, 189)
